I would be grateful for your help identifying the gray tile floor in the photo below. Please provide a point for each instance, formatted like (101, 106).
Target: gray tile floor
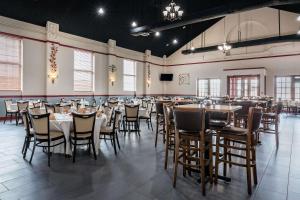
(137, 171)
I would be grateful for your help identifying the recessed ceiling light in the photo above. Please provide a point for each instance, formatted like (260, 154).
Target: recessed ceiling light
(134, 24)
(298, 18)
(101, 11)
(167, 45)
(175, 41)
(157, 34)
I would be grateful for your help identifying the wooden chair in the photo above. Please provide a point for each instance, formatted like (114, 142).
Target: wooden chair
(247, 142)
(170, 132)
(131, 118)
(271, 117)
(193, 145)
(43, 137)
(112, 132)
(83, 126)
(29, 136)
(241, 115)
(160, 120)
(9, 111)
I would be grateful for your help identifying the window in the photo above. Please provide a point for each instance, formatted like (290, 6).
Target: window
(287, 88)
(10, 63)
(83, 71)
(209, 87)
(129, 75)
(243, 86)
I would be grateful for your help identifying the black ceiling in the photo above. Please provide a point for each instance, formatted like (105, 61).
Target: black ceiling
(80, 17)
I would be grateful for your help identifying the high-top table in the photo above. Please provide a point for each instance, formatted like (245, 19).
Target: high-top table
(213, 108)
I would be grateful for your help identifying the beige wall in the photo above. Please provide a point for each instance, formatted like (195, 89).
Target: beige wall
(36, 65)
(255, 24)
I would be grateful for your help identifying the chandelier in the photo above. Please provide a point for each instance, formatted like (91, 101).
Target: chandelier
(172, 12)
(224, 47)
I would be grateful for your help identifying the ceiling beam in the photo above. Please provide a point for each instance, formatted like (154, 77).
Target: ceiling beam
(264, 41)
(217, 12)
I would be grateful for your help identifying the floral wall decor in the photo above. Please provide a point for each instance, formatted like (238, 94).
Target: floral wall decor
(184, 79)
(53, 65)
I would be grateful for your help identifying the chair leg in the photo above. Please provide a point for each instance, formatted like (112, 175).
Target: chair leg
(248, 168)
(157, 126)
(217, 158)
(276, 132)
(151, 124)
(225, 157)
(117, 139)
(33, 149)
(114, 143)
(211, 162)
(167, 150)
(74, 151)
(253, 153)
(94, 150)
(202, 162)
(24, 145)
(176, 159)
(17, 119)
(5, 118)
(49, 153)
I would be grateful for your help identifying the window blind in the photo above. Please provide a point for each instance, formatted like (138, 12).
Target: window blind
(129, 75)
(83, 71)
(10, 63)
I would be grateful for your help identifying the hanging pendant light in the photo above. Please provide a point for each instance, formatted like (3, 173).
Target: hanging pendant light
(224, 47)
(172, 12)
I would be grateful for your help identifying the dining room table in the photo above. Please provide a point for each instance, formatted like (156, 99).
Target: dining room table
(64, 122)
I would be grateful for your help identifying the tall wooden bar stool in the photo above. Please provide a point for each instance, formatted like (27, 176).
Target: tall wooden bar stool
(247, 142)
(193, 145)
(160, 120)
(271, 117)
(170, 131)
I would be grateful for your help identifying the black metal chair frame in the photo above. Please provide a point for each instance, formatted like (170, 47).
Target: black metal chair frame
(73, 140)
(41, 142)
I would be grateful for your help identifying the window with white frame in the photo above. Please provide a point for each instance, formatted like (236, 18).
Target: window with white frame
(208, 87)
(287, 88)
(83, 71)
(129, 75)
(10, 63)
(243, 86)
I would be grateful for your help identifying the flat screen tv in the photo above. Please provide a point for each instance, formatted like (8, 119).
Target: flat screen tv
(166, 77)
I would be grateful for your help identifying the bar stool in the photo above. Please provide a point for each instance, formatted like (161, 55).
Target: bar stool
(170, 131)
(247, 140)
(193, 145)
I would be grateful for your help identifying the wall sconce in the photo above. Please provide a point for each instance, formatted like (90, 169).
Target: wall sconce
(53, 76)
(148, 83)
(112, 81)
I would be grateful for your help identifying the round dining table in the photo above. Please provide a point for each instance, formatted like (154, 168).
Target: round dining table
(64, 123)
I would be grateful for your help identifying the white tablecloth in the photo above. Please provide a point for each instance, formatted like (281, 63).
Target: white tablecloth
(64, 123)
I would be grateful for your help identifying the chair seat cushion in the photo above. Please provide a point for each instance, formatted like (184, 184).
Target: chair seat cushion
(53, 135)
(217, 123)
(106, 129)
(80, 136)
(234, 130)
